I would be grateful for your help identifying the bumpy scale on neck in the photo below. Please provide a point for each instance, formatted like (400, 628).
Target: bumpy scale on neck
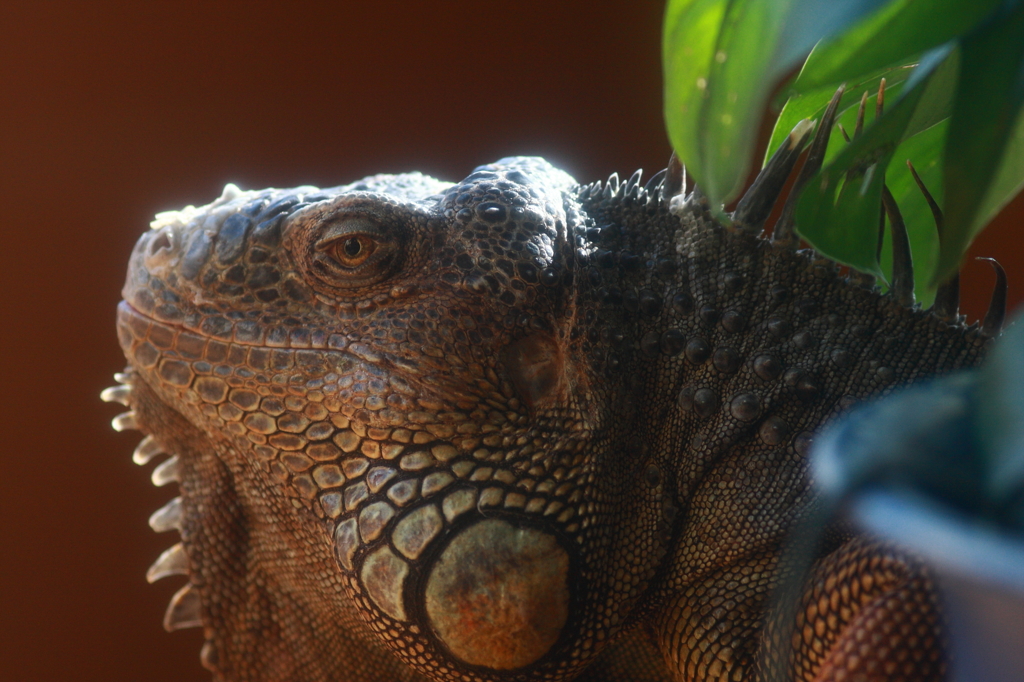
(486, 425)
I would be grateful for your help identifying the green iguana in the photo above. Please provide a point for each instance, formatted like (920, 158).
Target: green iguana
(515, 428)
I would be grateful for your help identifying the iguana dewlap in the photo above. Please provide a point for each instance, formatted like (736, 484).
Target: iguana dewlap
(513, 428)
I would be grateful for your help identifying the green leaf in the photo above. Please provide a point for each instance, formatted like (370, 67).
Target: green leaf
(893, 35)
(812, 105)
(1008, 180)
(985, 124)
(721, 60)
(838, 210)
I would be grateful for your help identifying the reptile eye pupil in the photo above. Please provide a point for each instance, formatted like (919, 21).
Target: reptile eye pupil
(354, 251)
(352, 247)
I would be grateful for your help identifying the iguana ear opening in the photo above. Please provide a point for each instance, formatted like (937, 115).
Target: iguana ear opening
(536, 366)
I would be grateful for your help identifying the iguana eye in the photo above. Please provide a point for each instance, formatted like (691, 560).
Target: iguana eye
(352, 251)
(350, 243)
(357, 254)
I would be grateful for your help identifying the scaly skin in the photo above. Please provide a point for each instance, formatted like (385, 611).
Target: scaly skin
(512, 429)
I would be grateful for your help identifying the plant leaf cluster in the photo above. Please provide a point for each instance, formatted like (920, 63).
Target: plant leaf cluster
(954, 74)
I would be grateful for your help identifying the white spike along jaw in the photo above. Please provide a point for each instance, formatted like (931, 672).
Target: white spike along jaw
(173, 561)
(146, 450)
(184, 611)
(208, 656)
(167, 472)
(121, 392)
(167, 517)
(124, 422)
(116, 394)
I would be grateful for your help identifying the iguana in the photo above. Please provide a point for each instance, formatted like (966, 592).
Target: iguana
(515, 428)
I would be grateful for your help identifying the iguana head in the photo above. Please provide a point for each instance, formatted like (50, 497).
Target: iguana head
(391, 411)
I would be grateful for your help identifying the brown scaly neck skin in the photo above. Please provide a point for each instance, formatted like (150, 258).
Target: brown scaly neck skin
(475, 431)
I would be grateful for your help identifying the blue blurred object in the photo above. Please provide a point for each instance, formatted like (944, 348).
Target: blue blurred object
(939, 468)
(980, 572)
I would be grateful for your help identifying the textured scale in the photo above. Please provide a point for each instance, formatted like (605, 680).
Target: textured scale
(513, 428)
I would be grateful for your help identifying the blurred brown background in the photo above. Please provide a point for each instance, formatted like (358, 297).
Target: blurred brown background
(113, 111)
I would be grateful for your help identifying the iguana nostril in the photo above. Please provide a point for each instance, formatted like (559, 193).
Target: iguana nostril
(161, 241)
